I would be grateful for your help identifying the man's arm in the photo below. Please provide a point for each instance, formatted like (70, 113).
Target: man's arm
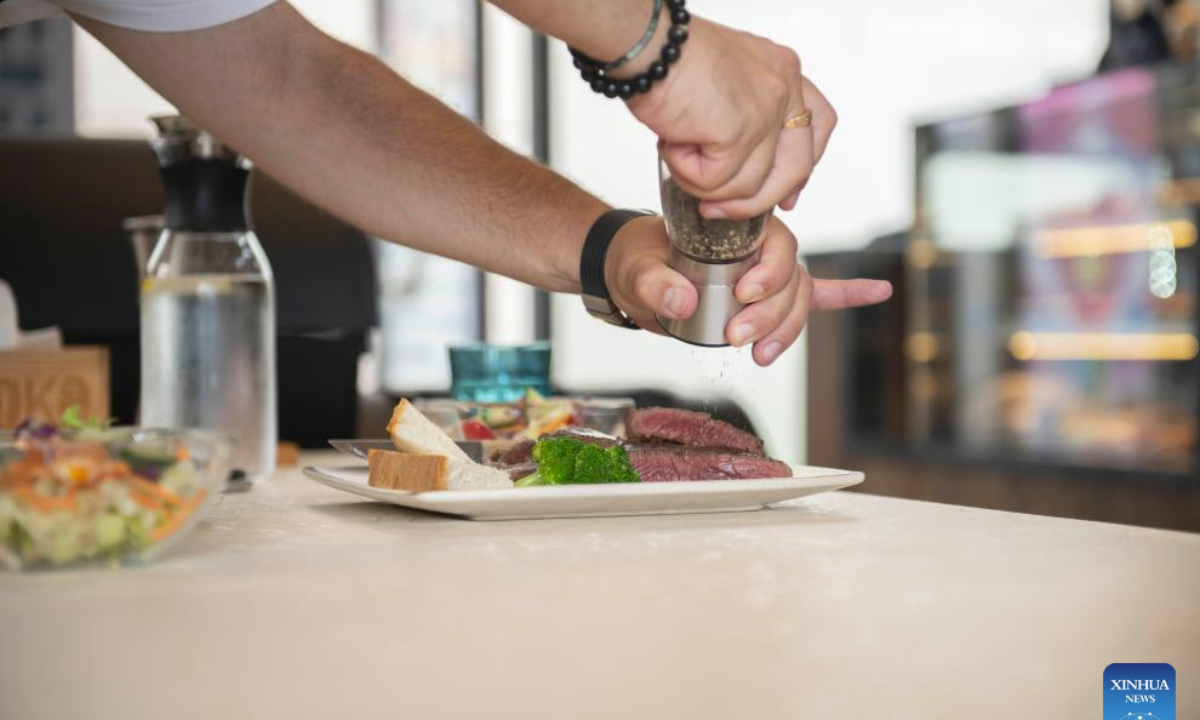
(341, 129)
(344, 131)
(602, 29)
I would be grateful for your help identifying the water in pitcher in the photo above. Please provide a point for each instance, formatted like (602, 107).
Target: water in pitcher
(208, 346)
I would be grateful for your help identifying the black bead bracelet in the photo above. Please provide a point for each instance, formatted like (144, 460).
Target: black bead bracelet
(594, 72)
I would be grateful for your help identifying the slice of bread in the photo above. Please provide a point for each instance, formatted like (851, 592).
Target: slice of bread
(412, 432)
(402, 471)
(422, 473)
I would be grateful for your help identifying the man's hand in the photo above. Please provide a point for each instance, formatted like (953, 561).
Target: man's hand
(779, 292)
(720, 118)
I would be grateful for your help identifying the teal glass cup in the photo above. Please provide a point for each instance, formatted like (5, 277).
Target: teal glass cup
(489, 373)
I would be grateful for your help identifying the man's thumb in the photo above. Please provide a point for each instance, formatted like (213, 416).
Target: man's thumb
(664, 291)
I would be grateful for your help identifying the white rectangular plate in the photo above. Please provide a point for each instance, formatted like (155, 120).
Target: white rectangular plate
(565, 501)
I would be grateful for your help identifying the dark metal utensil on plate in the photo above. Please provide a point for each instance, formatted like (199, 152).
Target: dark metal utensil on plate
(362, 448)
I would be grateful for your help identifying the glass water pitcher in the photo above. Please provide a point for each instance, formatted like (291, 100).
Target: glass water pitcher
(208, 303)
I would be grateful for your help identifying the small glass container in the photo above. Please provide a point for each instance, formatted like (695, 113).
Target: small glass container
(488, 373)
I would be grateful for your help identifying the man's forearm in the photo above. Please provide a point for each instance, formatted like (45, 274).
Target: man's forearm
(341, 129)
(400, 164)
(602, 29)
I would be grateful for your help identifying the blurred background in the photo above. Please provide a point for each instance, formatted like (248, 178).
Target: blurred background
(1026, 173)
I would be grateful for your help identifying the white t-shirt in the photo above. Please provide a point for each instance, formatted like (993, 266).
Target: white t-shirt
(151, 15)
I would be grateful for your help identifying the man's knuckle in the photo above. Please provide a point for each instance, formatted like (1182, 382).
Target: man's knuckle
(789, 60)
(730, 135)
(778, 90)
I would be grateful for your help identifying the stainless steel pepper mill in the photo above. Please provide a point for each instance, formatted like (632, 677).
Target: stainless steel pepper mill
(713, 255)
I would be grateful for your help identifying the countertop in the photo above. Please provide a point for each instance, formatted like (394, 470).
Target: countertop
(293, 600)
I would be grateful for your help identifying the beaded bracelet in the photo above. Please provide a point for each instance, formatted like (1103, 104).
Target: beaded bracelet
(640, 45)
(595, 73)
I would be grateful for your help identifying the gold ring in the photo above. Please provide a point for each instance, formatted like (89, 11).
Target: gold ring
(804, 119)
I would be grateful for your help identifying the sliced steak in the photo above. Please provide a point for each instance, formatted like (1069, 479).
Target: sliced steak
(520, 470)
(522, 452)
(697, 429)
(668, 463)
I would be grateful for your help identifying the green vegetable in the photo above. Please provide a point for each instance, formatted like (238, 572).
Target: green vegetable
(146, 460)
(21, 541)
(9, 515)
(569, 461)
(498, 417)
(607, 465)
(66, 543)
(72, 418)
(555, 458)
(139, 537)
(110, 531)
(530, 481)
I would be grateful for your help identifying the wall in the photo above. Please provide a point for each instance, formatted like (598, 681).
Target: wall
(36, 95)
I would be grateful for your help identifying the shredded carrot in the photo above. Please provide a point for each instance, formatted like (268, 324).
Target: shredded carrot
(555, 425)
(44, 504)
(145, 500)
(33, 499)
(115, 469)
(153, 489)
(183, 513)
(182, 454)
(21, 473)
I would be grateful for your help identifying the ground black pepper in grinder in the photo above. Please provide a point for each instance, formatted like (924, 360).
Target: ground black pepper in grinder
(704, 239)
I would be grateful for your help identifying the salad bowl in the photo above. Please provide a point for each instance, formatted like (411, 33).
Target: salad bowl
(104, 497)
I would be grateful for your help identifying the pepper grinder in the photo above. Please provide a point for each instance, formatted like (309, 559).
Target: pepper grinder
(713, 255)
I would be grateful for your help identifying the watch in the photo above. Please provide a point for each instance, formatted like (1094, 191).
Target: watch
(591, 267)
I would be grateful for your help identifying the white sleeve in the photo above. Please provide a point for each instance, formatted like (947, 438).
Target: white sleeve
(163, 15)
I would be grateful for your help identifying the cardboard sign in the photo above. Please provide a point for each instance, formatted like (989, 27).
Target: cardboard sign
(41, 384)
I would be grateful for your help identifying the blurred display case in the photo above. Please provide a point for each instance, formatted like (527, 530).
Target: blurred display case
(1051, 279)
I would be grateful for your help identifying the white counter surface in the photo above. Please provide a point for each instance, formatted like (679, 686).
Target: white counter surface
(296, 601)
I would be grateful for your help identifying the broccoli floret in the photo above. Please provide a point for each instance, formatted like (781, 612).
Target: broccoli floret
(531, 480)
(620, 469)
(590, 465)
(609, 465)
(569, 461)
(555, 457)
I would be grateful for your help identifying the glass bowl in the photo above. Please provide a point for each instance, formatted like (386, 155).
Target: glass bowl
(528, 418)
(104, 498)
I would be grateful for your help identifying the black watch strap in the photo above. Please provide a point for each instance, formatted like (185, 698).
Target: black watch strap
(591, 266)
